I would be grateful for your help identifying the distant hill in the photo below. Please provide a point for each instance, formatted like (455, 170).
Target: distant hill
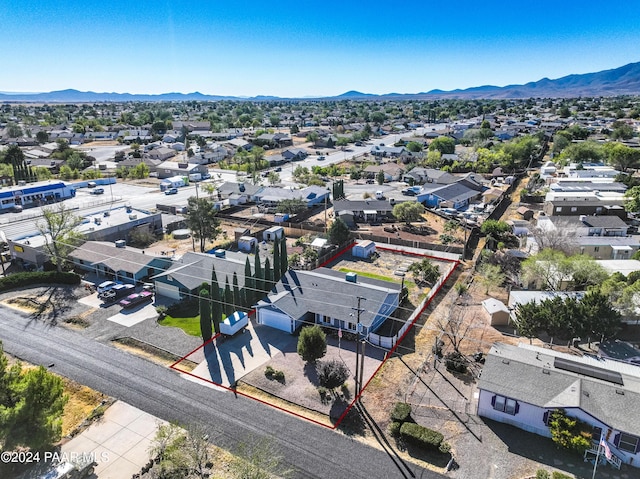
(618, 81)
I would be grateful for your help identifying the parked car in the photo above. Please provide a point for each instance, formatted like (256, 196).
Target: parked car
(117, 292)
(136, 299)
(409, 192)
(91, 184)
(106, 286)
(370, 181)
(171, 191)
(17, 208)
(321, 158)
(97, 191)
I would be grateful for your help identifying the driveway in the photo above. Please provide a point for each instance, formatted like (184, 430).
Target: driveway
(119, 442)
(227, 360)
(124, 317)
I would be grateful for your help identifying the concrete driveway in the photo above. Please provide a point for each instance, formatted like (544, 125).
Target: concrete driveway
(119, 442)
(126, 317)
(227, 360)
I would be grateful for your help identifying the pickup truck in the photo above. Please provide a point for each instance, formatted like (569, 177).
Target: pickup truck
(117, 292)
(135, 299)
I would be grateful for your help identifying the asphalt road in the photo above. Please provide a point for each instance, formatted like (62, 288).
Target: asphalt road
(312, 451)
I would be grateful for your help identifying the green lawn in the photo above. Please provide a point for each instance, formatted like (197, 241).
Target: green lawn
(190, 325)
(395, 279)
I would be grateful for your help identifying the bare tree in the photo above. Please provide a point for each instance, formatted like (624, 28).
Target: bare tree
(58, 227)
(561, 238)
(454, 325)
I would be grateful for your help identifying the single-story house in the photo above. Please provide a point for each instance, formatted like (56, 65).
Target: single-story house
(167, 169)
(522, 385)
(238, 193)
(129, 265)
(185, 275)
(455, 195)
(162, 153)
(300, 298)
(391, 171)
(363, 210)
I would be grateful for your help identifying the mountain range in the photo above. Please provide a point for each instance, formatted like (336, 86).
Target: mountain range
(624, 80)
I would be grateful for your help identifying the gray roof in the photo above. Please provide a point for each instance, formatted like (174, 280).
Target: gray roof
(193, 269)
(117, 259)
(274, 194)
(362, 205)
(607, 221)
(229, 188)
(454, 193)
(300, 292)
(517, 372)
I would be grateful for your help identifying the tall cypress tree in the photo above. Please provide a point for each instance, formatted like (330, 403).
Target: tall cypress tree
(268, 276)
(284, 260)
(216, 304)
(205, 314)
(228, 299)
(249, 285)
(276, 261)
(236, 293)
(259, 276)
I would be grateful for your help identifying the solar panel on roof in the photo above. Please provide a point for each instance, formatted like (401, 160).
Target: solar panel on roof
(588, 370)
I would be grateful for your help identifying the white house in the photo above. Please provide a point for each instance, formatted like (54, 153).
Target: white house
(521, 385)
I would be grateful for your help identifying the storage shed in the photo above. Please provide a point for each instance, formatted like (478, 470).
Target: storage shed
(498, 311)
(363, 249)
(273, 233)
(247, 243)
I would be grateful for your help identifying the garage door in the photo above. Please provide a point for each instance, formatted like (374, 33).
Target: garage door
(275, 320)
(167, 290)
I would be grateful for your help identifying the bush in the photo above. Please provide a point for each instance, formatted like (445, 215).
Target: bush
(421, 436)
(542, 474)
(560, 475)
(278, 375)
(394, 428)
(312, 343)
(332, 373)
(31, 278)
(269, 372)
(184, 309)
(401, 412)
(456, 362)
(569, 432)
(444, 448)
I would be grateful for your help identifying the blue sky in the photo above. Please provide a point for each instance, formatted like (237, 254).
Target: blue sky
(302, 48)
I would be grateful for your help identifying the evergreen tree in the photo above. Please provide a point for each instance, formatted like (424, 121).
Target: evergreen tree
(228, 299)
(216, 303)
(284, 262)
(249, 285)
(276, 261)
(259, 276)
(236, 293)
(205, 313)
(268, 276)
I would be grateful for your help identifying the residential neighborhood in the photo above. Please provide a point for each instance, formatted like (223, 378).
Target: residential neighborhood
(478, 272)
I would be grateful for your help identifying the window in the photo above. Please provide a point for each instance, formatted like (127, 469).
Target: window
(596, 249)
(558, 209)
(574, 209)
(506, 405)
(628, 443)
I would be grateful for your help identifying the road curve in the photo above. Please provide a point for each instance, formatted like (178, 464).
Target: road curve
(310, 450)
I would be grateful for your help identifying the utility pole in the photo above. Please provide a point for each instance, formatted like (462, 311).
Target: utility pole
(357, 374)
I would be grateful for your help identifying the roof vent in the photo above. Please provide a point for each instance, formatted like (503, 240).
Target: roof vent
(546, 371)
(620, 391)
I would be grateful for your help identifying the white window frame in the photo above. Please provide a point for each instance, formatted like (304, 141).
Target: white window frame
(624, 445)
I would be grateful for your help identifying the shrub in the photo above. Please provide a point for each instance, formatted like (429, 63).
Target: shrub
(161, 309)
(401, 412)
(569, 432)
(542, 474)
(332, 373)
(394, 428)
(269, 372)
(454, 361)
(30, 278)
(421, 436)
(444, 448)
(186, 308)
(312, 343)
(560, 475)
(278, 375)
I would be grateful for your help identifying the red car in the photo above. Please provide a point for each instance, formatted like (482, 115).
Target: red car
(136, 299)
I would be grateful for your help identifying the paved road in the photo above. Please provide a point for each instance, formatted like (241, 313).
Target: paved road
(311, 450)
